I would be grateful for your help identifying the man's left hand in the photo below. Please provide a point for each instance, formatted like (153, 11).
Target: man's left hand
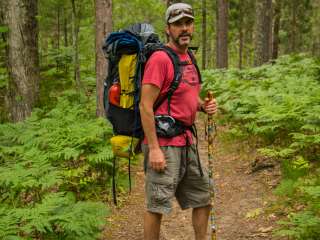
(210, 106)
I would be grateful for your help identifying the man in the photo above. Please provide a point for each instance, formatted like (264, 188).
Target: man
(173, 168)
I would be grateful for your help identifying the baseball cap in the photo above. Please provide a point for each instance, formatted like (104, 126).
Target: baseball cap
(177, 11)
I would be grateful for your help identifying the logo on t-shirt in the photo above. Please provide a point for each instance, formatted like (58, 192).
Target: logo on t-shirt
(190, 75)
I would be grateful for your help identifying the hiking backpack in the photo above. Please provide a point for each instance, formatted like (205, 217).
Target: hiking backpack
(127, 52)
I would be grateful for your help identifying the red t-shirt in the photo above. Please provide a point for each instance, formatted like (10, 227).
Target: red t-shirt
(184, 102)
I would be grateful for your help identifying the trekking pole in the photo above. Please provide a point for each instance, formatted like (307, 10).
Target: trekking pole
(211, 131)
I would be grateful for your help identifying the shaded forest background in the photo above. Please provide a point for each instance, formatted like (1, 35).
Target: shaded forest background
(260, 57)
(60, 42)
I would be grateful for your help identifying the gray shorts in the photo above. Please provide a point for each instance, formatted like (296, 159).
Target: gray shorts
(181, 179)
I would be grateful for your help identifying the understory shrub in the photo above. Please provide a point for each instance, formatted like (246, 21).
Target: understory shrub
(55, 169)
(278, 105)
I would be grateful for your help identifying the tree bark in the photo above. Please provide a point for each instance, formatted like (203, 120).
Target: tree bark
(103, 27)
(204, 34)
(240, 29)
(316, 28)
(23, 87)
(222, 34)
(3, 58)
(75, 43)
(262, 46)
(65, 27)
(248, 12)
(4, 35)
(276, 29)
(58, 26)
(65, 35)
(294, 27)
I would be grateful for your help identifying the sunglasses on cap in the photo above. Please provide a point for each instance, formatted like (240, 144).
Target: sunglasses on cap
(177, 12)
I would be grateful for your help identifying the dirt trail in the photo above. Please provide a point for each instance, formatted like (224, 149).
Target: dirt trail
(242, 200)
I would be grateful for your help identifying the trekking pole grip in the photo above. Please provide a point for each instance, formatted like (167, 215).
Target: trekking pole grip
(210, 95)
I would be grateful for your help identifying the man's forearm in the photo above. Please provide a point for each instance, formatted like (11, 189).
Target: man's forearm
(148, 123)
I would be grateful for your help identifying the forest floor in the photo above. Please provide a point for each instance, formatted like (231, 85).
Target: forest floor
(243, 199)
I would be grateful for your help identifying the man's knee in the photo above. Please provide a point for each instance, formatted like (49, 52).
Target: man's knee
(153, 215)
(152, 222)
(201, 211)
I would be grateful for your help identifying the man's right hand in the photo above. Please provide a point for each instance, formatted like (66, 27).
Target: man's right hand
(157, 160)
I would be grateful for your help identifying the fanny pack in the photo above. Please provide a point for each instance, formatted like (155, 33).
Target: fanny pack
(168, 127)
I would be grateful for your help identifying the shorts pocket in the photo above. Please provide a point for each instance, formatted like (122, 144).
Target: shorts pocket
(160, 191)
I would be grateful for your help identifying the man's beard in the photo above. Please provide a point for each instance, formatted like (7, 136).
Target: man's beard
(176, 40)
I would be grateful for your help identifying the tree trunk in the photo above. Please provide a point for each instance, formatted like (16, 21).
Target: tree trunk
(23, 87)
(65, 36)
(294, 27)
(75, 43)
(270, 30)
(276, 29)
(58, 61)
(204, 34)
(58, 26)
(4, 35)
(65, 27)
(222, 34)
(240, 29)
(316, 29)
(248, 13)
(263, 16)
(103, 27)
(3, 59)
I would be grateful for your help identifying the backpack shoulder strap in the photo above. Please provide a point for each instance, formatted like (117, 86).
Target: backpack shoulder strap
(177, 73)
(177, 70)
(194, 62)
(176, 76)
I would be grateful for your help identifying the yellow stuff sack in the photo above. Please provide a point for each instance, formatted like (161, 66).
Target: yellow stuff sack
(127, 70)
(121, 145)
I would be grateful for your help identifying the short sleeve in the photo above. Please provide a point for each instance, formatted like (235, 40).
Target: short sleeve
(158, 69)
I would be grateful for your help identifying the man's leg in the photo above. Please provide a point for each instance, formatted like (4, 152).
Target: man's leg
(200, 218)
(152, 222)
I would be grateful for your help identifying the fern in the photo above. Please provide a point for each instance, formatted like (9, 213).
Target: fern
(301, 226)
(279, 106)
(57, 214)
(47, 165)
(8, 223)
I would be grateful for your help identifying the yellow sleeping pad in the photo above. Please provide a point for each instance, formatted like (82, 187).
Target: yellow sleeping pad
(127, 70)
(121, 145)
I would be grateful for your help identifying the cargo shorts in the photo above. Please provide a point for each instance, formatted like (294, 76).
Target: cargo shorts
(181, 179)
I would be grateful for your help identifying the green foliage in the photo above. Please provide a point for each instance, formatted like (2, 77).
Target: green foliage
(57, 216)
(276, 102)
(49, 164)
(4, 29)
(140, 11)
(279, 105)
(303, 224)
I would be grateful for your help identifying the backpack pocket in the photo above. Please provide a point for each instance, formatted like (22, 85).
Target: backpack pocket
(125, 121)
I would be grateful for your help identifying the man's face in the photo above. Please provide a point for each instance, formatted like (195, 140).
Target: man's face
(180, 32)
